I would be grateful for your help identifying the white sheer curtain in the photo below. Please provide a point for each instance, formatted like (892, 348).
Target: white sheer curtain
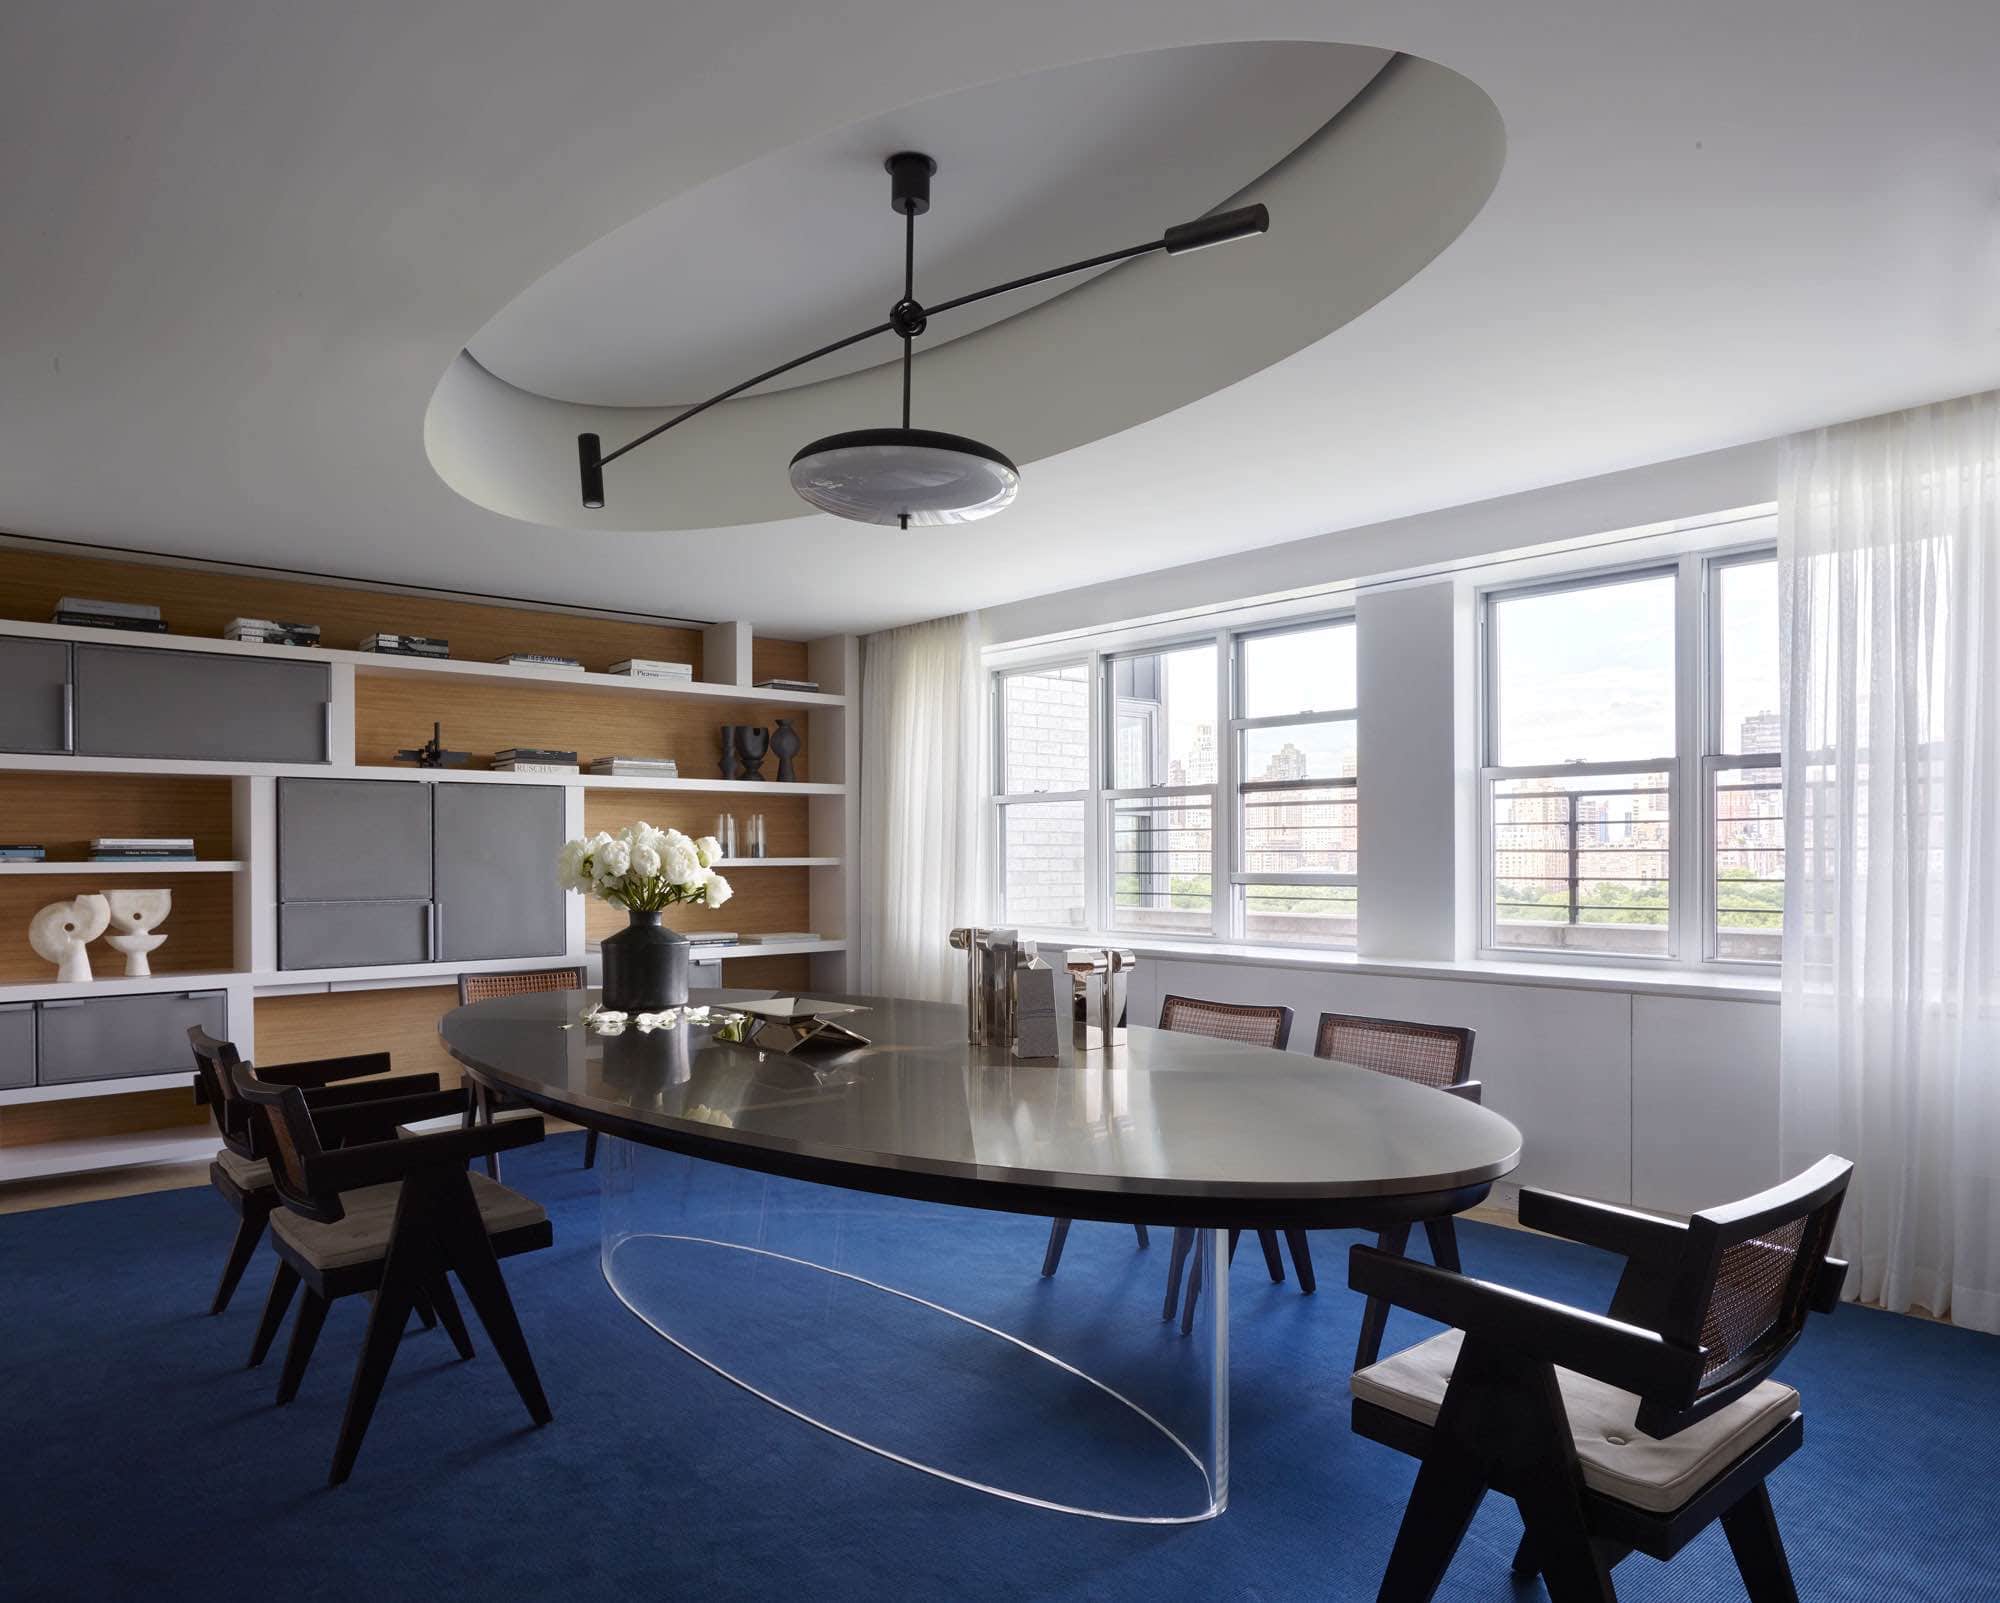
(1889, 575)
(923, 794)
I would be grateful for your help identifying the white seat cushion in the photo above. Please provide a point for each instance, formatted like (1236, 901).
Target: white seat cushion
(246, 1174)
(363, 1235)
(1618, 1459)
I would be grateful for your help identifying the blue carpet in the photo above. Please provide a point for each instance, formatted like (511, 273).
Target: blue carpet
(141, 1461)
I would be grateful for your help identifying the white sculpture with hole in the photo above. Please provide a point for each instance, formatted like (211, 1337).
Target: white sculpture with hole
(135, 913)
(61, 931)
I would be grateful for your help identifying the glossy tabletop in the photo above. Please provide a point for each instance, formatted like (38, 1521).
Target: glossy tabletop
(1167, 1128)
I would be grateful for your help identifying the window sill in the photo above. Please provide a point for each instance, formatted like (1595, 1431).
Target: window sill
(1707, 984)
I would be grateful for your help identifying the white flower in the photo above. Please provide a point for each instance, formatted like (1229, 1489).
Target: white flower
(709, 850)
(645, 860)
(681, 865)
(569, 864)
(611, 860)
(717, 890)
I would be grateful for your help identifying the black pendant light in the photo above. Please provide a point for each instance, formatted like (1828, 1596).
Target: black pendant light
(908, 475)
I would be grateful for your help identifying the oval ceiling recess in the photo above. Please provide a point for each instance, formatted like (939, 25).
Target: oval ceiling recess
(1371, 164)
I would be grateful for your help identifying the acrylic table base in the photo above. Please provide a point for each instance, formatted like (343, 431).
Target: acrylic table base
(927, 1334)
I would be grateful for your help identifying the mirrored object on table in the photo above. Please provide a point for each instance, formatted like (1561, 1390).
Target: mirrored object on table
(789, 1023)
(1100, 978)
(990, 958)
(1037, 1033)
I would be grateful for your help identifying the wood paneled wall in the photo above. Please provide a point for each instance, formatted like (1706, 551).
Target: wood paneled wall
(65, 812)
(197, 601)
(393, 714)
(402, 1022)
(29, 1124)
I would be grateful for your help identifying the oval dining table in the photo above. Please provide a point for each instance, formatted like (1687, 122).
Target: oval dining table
(852, 1232)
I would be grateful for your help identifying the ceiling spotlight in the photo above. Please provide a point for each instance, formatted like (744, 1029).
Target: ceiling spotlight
(908, 475)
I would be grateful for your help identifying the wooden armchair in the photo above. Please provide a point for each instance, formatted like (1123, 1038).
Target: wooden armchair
(240, 1175)
(393, 1217)
(1435, 1055)
(484, 1104)
(1619, 1434)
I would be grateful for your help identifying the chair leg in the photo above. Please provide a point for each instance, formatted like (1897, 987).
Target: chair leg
(448, 1314)
(1302, 1262)
(1274, 1263)
(283, 1284)
(1183, 1239)
(1052, 1254)
(1446, 1496)
(249, 1231)
(298, 1353)
(1526, 1564)
(590, 1149)
(470, 1250)
(1752, 1529)
(486, 1118)
(394, 1299)
(1145, 1240)
(1444, 1243)
(421, 1302)
(1375, 1317)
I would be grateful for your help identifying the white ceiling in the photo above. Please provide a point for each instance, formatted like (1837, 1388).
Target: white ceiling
(800, 247)
(243, 242)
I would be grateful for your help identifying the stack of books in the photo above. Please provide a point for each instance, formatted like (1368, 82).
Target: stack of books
(265, 632)
(534, 760)
(770, 940)
(91, 614)
(709, 940)
(648, 668)
(538, 659)
(809, 686)
(19, 852)
(142, 849)
(394, 645)
(637, 767)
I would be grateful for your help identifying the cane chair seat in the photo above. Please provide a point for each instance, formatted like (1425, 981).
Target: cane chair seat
(246, 1174)
(1618, 1459)
(363, 1235)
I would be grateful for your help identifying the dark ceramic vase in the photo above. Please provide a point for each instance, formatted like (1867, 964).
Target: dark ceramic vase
(645, 966)
(731, 764)
(785, 745)
(752, 741)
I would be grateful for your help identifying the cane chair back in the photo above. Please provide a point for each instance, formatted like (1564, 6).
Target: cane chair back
(479, 987)
(1436, 1055)
(1227, 1021)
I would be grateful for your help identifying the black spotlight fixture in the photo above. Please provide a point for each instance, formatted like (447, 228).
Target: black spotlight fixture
(908, 475)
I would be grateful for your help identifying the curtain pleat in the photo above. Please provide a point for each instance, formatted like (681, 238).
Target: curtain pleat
(1889, 598)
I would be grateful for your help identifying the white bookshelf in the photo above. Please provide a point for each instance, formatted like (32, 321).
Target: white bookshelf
(208, 866)
(184, 1144)
(832, 840)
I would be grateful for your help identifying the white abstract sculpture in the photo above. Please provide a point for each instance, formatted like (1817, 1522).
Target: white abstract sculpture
(135, 913)
(60, 931)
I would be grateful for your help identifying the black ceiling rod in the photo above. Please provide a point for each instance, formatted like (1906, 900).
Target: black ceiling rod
(910, 174)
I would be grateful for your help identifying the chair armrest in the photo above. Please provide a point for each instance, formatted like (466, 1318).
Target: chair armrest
(322, 1071)
(1827, 1283)
(320, 1097)
(1470, 1090)
(1600, 1224)
(395, 1159)
(1616, 1353)
(358, 1123)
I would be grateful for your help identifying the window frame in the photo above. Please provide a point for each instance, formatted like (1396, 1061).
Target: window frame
(1098, 655)
(1240, 724)
(1697, 756)
(1001, 800)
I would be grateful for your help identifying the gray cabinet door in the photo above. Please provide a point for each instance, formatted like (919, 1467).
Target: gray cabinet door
(34, 692)
(131, 702)
(349, 934)
(115, 1037)
(497, 892)
(354, 840)
(17, 1044)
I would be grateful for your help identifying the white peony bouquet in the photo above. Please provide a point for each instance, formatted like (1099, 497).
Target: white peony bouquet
(644, 869)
